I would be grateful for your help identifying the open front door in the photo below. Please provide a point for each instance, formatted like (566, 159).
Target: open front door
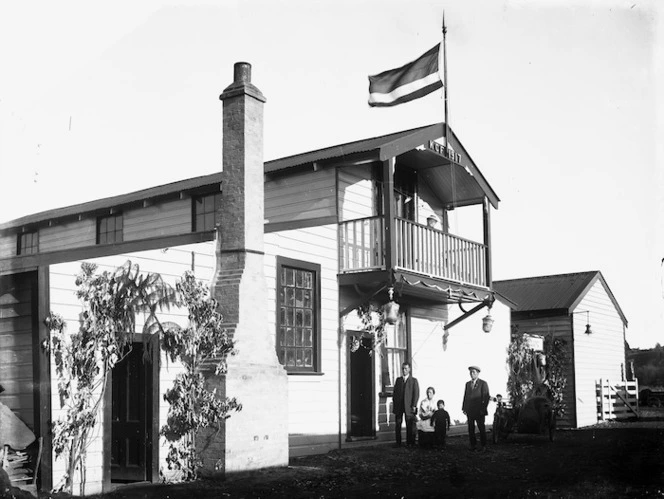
(361, 392)
(131, 430)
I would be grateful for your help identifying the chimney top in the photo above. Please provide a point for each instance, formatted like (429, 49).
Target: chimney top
(242, 72)
(242, 83)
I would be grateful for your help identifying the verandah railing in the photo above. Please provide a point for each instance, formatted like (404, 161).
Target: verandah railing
(419, 248)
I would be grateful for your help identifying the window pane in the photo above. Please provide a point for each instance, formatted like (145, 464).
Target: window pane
(308, 337)
(209, 221)
(401, 333)
(208, 204)
(118, 223)
(103, 226)
(199, 222)
(296, 334)
(290, 297)
(308, 360)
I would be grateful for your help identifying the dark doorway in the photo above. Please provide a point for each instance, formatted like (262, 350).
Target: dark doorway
(131, 415)
(361, 391)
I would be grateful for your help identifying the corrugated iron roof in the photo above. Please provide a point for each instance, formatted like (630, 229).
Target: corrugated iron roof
(341, 150)
(552, 292)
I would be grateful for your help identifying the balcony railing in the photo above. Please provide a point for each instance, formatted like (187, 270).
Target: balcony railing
(418, 248)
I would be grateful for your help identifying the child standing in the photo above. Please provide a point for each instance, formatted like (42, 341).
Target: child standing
(441, 423)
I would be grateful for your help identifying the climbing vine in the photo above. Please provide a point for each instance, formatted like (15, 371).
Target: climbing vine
(201, 348)
(111, 301)
(528, 375)
(373, 326)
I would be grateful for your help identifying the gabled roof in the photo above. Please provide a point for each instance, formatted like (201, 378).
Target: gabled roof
(406, 144)
(553, 292)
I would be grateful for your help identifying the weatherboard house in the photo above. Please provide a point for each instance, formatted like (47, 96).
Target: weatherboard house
(291, 248)
(580, 309)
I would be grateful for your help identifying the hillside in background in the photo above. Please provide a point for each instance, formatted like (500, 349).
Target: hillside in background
(648, 365)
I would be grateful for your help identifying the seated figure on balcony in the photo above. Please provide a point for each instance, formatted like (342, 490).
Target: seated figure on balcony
(427, 408)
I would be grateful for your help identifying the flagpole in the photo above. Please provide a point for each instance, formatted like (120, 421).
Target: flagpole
(447, 127)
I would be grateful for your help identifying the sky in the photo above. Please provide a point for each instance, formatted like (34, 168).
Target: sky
(558, 103)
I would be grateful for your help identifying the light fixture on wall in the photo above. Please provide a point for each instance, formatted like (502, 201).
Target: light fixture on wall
(588, 329)
(391, 309)
(487, 322)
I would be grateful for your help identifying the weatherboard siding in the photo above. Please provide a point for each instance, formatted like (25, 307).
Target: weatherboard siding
(170, 263)
(300, 197)
(8, 245)
(160, 219)
(600, 355)
(314, 401)
(16, 342)
(558, 327)
(68, 235)
(355, 192)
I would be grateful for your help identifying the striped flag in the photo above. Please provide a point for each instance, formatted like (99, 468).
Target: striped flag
(412, 81)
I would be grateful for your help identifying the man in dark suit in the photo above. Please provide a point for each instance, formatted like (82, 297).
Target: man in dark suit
(475, 402)
(404, 403)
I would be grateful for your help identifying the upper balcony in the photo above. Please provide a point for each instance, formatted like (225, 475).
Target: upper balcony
(380, 192)
(419, 249)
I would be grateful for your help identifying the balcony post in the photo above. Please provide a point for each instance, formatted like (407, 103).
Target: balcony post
(487, 239)
(388, 213)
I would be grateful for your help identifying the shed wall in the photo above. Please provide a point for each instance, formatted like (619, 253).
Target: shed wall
(600, 355)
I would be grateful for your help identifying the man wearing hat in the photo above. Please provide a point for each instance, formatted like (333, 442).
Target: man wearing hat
(475, 402)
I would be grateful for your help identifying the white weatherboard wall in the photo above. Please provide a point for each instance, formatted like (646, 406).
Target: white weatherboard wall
(171, 263)
(600, 355)
(314, 401)
(355, 191)
(447, 369)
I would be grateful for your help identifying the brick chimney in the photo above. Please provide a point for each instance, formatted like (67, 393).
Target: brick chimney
(257, 436)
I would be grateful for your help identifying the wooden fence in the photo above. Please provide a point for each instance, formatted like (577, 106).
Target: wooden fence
(617, 400)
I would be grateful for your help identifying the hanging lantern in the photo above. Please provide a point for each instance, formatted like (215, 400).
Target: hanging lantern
(588, 329)
(391, 309)
(487, 323)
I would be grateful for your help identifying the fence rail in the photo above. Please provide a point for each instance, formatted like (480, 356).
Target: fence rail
(617, 400)
(419, 248)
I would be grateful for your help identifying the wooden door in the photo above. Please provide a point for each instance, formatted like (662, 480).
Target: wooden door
(361, 391)
(130, 429)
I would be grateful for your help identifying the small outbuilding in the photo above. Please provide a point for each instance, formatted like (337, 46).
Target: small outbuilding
(580, 309)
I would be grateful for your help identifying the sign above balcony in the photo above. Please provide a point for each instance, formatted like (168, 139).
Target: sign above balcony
(442, 151)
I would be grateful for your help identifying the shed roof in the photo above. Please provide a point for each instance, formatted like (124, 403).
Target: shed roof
(553, 292)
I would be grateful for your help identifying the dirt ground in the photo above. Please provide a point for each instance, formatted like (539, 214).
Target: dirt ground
(610, 460)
